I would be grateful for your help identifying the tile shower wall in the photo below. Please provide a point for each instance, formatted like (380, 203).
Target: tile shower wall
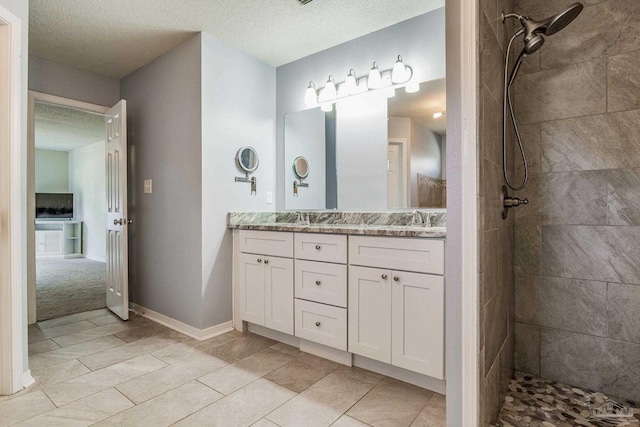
(496, 235)
(577, 250)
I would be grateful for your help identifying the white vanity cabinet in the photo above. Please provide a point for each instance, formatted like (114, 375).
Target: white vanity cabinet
(265, 276)
(397, 316)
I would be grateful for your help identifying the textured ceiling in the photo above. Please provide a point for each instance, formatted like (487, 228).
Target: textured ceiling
(116, 37)
(65, 129)
(420, 106)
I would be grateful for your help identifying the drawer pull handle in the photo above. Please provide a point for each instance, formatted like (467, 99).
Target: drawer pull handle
(317, 247)
(259, 260)
(318, 282)
(384, 277)
(318, 324)
(266, 261)
(396, 279)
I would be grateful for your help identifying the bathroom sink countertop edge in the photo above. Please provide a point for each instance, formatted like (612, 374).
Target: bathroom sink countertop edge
(356, 229)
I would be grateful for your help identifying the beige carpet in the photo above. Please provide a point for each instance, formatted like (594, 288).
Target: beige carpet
(69, 286)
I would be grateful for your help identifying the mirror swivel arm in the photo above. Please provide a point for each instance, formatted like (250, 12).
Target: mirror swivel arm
(252, 180)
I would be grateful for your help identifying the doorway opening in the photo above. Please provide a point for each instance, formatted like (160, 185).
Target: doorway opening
(66, 210)
(70, 210)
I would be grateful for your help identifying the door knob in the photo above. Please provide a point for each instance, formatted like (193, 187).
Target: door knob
(116, 222)
(129, 221)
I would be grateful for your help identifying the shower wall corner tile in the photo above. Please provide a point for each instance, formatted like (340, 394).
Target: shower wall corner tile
(623, 196)
(491, 58)
(624, 313)
(571, 91)
(527, 348)
(623, 82)
(490, 129)
(567, 304)
(496, 326)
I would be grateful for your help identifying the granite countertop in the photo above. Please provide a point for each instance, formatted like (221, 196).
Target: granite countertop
(266, 222)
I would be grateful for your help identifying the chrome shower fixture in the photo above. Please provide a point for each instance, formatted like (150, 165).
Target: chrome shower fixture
(533, 32)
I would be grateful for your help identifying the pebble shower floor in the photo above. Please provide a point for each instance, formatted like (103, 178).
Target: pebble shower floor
(535, 402)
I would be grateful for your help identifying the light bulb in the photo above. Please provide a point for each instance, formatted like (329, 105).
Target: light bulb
(412, 87)
(351, 84)
(375, 79)
(326, 107)
(439, 114)
(330, 92)
(400, 73)
(311, 96)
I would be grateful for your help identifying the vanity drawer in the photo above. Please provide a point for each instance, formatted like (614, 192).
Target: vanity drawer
(275, 243)
(321, 323)
(420, 255)
(321, 282)
(321, 247)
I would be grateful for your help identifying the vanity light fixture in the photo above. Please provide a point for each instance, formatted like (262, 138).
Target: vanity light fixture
(311, 96)
(439, 114)
(375, 78)
(389, 80)
(400, 73)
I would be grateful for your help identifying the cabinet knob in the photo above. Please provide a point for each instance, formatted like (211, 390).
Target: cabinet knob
(384, 277)
(396, 279)
(318, 282)
(266, 261)
(259, 260)
(318, 247)
(318, 324)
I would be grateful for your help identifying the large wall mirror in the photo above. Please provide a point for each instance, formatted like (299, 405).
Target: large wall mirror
(373, 152)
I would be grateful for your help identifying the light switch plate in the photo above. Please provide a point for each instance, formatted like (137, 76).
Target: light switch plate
(269, 197)
(148, 186)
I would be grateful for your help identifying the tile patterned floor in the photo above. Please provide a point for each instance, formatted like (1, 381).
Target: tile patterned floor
(93, 369)
(536, 402)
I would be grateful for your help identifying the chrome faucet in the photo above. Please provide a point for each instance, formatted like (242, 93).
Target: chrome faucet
(417, 217)
(300, 218)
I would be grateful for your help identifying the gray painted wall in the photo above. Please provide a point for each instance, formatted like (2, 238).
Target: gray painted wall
(68, 82)
(165, 135)
(52, 171)
(20, 8)
(420, 40)
(238, 108)
(87, 183)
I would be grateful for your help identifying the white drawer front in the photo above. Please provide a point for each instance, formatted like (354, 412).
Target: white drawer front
(398, 253)
(321, 247)
(275, 243)
(321, 323)
(321, 282)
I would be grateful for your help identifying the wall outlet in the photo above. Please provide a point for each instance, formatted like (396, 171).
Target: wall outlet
(269, 197)
(148, 186)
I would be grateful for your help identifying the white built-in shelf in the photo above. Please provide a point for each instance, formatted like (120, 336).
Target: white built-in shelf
(59, 238)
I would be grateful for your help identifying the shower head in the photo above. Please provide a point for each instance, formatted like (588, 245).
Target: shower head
(534, 30)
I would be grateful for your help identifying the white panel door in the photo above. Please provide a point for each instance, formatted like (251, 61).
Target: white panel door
(418, 323)
(370, 313)
(252, 301)
(278, 294)
(117, 223)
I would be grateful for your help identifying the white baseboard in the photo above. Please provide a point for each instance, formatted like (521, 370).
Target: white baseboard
(183, 328)
(27, 379)
(96, 258)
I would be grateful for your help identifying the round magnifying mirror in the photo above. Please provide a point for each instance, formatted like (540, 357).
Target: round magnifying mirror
(247, 159)
(301, 167)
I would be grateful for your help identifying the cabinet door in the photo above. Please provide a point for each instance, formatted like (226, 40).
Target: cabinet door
(370, 313)
(252, 288)
(418, 323)
(278, 289)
